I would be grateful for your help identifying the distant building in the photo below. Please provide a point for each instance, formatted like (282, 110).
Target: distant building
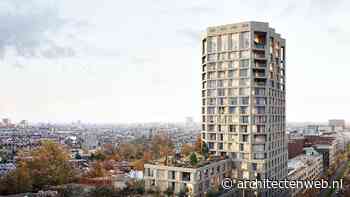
(325, 145)
(337, 124)
(89, 141)
(307, 166)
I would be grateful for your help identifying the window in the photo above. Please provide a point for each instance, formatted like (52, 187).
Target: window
(245, 55)
(232, 128)
(221, 92)
(243, 128)
(243, 109)
(241, 147)
(211, 101)
(245, 40)
(220, 146)
(211, 66)
(244, 100)
(211, 75)
(235, 41)
(211, 93)
(243, 91)
(233, 101)
(224, 42)
(234, 55)
(212, 44)
(211, 84)
(232, 110)
(232, 92)
(172, 175)
(212, 57)
(186, 176)
(244, 82)
(245, 138)
(211, 110)
(244, 63)
(244, 119)
(243, 73)
(232, 73)
(220, 83)
(222, 56)
(221, 101)
(260, 91)
(260, 100)
(254, 166)
(233, 65)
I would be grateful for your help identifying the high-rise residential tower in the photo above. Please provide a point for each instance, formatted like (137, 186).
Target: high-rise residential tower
(243, 98)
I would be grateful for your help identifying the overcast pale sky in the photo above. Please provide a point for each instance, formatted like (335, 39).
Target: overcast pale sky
(138, 61)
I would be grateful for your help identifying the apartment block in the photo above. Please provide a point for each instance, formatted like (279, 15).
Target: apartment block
(243, 98)
(196, 180)
(307, 166)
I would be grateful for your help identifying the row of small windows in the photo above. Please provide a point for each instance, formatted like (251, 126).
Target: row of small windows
(233, 41)
(226, 74)
(226, 65)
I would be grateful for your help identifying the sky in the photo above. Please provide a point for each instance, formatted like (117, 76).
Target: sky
(113, 61)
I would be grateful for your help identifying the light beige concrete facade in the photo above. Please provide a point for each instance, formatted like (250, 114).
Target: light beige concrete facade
(243, 98)
(197, 181)
(304, 167)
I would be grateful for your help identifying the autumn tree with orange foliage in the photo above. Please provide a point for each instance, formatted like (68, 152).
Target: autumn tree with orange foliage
(198, 144)
(187, 149)
(97, 170)
(48, 165)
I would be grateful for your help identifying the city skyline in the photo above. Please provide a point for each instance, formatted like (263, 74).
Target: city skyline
(75, 64)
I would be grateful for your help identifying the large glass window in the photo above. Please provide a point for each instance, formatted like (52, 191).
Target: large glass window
(235, 41)
(244, 63)
(212, 57)
(244, 100)
(243, 73)
(224, 42)
(232, 74)
(233, 101)
(212, 44)
(245, 55)
(245, 40)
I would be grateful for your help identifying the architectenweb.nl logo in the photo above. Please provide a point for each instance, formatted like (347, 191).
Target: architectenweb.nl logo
(229, 183)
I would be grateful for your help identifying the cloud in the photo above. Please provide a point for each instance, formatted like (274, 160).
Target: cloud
(30, 28)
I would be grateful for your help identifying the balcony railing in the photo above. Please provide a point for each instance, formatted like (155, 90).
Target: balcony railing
(259, 55)
(259, 45)
(259, 74)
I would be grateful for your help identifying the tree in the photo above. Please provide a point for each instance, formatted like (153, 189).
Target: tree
(97, 170)
(187, 149)
(102, 192)
(161, 146)
(18, 181)
(138, 164)
(98, 155)
(50, 165)
(198, 144)
(193, 159)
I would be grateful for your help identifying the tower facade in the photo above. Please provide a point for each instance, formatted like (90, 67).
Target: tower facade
(243, 98)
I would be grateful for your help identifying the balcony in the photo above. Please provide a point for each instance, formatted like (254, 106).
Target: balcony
(260, 65)
(259, 55)
(259, 46)
(260, 75)
(259, 40)
(260, 83)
